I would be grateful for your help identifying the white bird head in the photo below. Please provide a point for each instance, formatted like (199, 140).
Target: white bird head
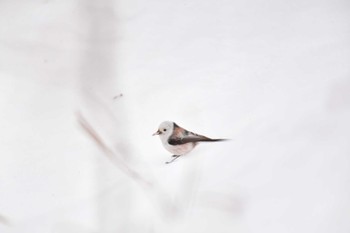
(165, 129)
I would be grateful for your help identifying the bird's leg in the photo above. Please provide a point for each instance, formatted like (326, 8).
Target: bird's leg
(174, 158)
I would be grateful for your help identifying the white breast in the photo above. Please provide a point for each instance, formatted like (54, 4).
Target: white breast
(178, 149)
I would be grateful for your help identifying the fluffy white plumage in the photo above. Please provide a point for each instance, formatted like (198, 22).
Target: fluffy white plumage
(179, 141)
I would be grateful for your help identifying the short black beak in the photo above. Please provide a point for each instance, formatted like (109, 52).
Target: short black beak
(157, 133)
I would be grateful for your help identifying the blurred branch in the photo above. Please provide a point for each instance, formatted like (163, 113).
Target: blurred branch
(4, 220)
(111, 155)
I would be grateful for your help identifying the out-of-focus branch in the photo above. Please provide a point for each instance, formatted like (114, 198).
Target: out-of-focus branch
(112, 156)
(4, 220)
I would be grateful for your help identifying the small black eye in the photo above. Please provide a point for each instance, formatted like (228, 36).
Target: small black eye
(164, 130)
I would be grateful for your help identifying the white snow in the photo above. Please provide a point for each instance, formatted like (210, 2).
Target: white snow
(273, 76)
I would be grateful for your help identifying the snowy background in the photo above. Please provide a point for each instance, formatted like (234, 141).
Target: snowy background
(84, 84)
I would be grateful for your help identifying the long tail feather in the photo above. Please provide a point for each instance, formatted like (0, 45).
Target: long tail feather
(214, 140)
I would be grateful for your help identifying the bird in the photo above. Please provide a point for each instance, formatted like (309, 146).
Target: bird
(178, 140)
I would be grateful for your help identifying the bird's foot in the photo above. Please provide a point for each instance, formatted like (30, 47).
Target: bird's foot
(174, 158)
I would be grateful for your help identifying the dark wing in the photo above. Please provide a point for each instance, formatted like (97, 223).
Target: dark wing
(182, 136)
(180, 141)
